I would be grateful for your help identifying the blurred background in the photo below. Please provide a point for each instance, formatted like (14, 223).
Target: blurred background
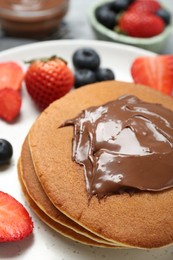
(75, 25)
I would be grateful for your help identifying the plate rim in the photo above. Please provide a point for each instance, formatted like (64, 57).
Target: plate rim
(61, 42)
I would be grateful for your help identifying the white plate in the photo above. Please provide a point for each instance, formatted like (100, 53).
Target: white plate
(45, 243)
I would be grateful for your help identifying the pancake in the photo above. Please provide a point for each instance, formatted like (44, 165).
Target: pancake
(37, 194)
(143, 220)
(63, 230)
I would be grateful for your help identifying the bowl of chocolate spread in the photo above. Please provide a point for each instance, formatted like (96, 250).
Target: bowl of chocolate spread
(32, 18)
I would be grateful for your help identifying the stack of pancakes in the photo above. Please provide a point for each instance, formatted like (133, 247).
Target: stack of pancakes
(54, 185)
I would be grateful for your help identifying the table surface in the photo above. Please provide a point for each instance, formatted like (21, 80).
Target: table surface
(75, 25)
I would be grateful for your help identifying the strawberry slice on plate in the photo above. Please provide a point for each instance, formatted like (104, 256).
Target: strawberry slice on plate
(11, 75)
(156, 72)
(15, 222)
(10, 104)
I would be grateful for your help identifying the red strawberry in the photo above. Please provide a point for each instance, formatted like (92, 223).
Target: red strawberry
(47, 80)
(10, 103)
(156, 72)
(143, 6)
(143, 26)
(15, 222)
(11, 75)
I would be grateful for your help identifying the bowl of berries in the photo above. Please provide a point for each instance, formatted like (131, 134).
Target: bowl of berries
(145, 24)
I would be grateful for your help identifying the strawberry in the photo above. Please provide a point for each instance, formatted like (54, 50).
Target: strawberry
(11, 75)
(15, 222)
(142, 26)
(156, 72)
(145, 6)
(10, 103)
(47, 80)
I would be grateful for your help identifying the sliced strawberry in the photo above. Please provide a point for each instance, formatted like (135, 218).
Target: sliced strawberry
(11, 74)
(15, 222)
(156, 72)
(145, 6)
(10, 104)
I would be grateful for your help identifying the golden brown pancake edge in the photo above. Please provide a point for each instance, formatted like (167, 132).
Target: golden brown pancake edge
(143, 220)
(61, 229)
(37, 194)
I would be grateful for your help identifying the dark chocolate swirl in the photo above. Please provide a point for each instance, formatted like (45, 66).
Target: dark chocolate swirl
(124, 145)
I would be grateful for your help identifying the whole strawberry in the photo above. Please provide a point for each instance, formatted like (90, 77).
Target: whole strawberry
(47, 80)
(140, 25)
(145, 6)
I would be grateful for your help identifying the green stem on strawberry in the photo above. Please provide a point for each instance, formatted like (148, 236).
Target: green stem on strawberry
(46, 59)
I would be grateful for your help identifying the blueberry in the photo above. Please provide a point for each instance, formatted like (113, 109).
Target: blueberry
(120, 5)
(106, 16)
(6, 151)
(84, 77)
(103, 74)
(86, 58)
(164, 14)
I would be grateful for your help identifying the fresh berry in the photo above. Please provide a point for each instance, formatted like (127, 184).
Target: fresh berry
(86, 58)
(135, 25)
(120, 5)
(103, 74)
(47, 80)
(145, 6)
(106, 16)
(10, 104)
(6, 151)
(15, 222)
(11, 75)
(84, 77)
(156, 72)
(165, 15)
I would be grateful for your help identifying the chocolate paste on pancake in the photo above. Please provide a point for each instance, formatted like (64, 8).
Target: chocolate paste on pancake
(124, 145)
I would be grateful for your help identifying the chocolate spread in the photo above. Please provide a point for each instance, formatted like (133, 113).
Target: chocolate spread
(33, 18)
(125, 145)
